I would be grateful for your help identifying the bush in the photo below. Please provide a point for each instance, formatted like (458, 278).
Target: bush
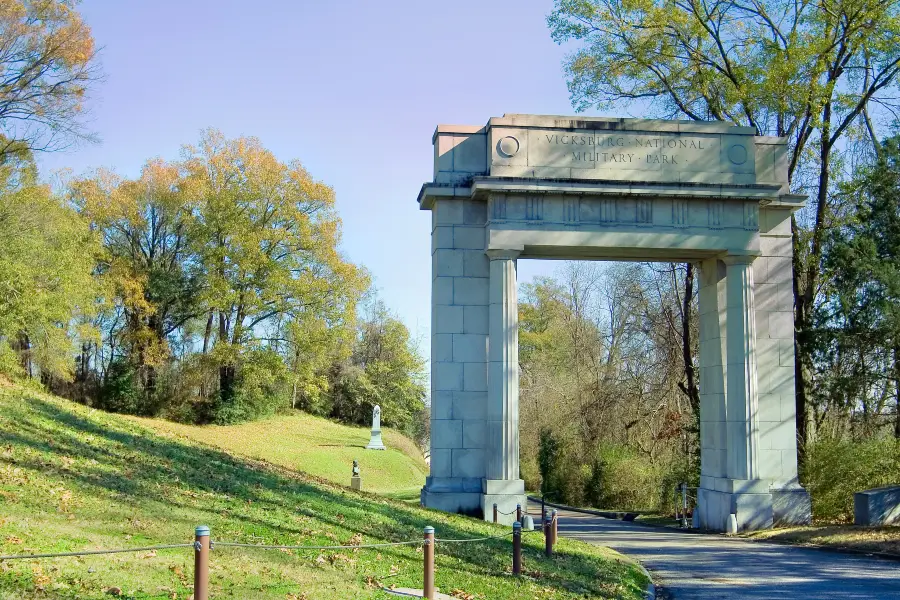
(261, 389)
(627, 480)
(835, 469)
(120, 391)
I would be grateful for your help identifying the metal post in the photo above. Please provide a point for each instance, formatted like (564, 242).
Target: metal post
(517, 548)
(519, 513)
(495, 512)
(201, 563)
(554, 519)
(684, 505)
(428, 554)
(543, 510)
(548, 536)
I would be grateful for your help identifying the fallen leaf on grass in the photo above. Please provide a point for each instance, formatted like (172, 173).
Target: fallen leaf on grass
(12, 539)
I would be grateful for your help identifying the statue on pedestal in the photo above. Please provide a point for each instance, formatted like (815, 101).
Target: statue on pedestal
(355, 480)
(375, 442)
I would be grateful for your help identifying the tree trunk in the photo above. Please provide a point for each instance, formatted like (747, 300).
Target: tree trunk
(897, 391)
(208, 332)
(690, 387)
(226, 383)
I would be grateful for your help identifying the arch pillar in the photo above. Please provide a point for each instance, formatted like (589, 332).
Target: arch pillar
(502, 484)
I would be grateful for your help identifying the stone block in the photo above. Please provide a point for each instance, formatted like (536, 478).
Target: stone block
(447, 376)
(447, 212)
(442, 237)
(447, 263)
(473, 433)
(506, 507)
(470, 291)
(468, 462)
(765, 296)
(475, 319)
(786, 352)
(446, 433)
(475, 212)
(469, 348)
(463, 503)
(441, 405)
(780, 269)
(769, 408)
(753, 511)
(475, 377)
(442, 290)
(791, 507)
(760, 271)
(470, 154)
(781, 325)
(770, 464)
(442, 347)
(476, 264)
(440, 462)
(876, 507)
(771, 245)
(469, 405)
(446, 319)
(469, 238)
(776, 434)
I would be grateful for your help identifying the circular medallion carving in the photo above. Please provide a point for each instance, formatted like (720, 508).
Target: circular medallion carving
(737, 154)
(508, 146)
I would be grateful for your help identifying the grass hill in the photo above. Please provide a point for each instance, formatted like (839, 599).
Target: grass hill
(72, 478)
(315, 446)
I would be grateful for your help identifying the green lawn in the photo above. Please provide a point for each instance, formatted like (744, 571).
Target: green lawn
(316, 446)
(72, 478)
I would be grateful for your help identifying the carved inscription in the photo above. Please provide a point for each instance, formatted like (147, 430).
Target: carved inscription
(626, 149)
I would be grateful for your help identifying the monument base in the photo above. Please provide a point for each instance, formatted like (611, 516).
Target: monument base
(461, 495)
(475, 496)
(755, 504)
(506, 494)
(355, 483)
(375, 442)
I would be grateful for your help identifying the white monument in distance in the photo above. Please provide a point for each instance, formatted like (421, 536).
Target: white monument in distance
(375, 442)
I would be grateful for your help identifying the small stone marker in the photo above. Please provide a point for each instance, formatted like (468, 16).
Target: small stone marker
(375, 442)
(880, 506)
(356, 480)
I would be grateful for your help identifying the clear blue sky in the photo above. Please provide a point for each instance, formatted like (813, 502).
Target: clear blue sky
(352, 89)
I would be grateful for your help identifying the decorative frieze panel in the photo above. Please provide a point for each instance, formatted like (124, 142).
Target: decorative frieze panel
(535, 209)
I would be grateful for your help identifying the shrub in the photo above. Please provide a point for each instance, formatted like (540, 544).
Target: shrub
(835, 469)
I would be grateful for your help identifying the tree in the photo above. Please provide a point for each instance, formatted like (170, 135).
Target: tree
(145, 225)
(47, 63)
(267, 242)
(861, 321)
(810, 71)
(47, 255)
(385, 368)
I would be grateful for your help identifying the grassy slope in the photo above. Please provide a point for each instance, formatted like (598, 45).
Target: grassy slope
(72, 479)
(315, 446)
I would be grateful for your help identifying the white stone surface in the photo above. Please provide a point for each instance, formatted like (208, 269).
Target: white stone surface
(375, 442)
(526, 186)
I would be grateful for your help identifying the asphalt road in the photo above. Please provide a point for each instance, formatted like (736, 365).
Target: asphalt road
(689, 566)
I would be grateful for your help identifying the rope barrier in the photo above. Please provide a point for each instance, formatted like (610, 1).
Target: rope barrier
(481, 539)
(272, 547)
(94, 552)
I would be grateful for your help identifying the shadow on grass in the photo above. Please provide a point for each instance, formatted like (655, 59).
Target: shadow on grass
(130, 464)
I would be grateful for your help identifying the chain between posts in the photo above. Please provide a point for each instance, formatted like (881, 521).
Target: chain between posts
(93, 552)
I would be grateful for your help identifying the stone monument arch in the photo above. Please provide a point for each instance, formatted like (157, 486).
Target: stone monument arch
(531, 186)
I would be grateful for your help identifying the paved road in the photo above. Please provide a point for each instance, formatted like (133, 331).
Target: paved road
(692, 566)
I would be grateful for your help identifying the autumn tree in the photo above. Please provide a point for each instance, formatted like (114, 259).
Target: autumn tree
(48, 61)
(47, 255)
(810, 71)
(267, 241)
(145, 226)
